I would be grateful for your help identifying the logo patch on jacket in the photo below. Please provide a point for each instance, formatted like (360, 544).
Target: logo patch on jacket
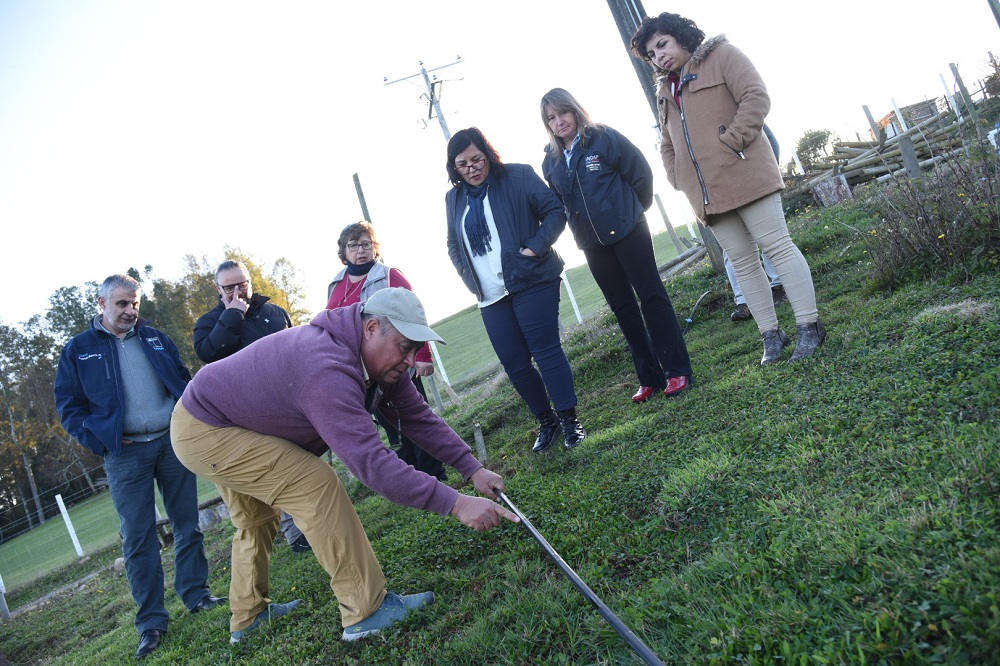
(155, 343)
(87, 357)
(592, 162)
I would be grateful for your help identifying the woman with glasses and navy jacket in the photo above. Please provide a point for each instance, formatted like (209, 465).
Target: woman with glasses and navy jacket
(502, 222)
(607, 185)
(363, 275)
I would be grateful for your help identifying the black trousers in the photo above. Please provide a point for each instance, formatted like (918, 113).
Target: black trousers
(627, 270)
(408, 451)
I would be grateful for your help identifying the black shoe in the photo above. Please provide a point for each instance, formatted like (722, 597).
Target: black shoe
(548, 429)
(741, 313)
(208, 603)
(300, 545)
(572, 428)
(150, 641)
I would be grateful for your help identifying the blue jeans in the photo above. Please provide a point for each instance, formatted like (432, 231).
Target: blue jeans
(523, 326)
(624, 271)
(131, 477)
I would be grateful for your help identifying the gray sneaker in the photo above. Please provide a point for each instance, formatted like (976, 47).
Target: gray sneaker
(393, 609)
(272, 611)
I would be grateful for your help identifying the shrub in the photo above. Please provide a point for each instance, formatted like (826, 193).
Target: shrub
(946, 223)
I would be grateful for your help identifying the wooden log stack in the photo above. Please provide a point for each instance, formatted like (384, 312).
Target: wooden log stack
(860, 161)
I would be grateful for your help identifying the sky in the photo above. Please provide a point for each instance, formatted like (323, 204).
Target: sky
(135, 133)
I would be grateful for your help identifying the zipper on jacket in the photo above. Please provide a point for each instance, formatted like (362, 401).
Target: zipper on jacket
(694, 160)
(587, 208)
(120, 421)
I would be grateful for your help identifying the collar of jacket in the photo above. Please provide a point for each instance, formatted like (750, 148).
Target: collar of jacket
(696, 58)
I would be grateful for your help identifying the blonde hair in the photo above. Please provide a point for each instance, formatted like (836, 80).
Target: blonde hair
(560, 101)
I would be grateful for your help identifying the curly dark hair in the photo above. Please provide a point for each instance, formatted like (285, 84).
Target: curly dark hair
(462, 140)
(684, 30)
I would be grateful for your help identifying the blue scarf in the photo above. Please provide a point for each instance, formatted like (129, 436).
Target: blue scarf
(476, 229)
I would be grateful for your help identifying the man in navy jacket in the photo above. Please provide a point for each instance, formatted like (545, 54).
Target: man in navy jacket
(115, 390)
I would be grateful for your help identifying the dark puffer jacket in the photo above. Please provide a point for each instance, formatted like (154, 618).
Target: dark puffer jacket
(527, 214)
(606, 188)
(222, 332)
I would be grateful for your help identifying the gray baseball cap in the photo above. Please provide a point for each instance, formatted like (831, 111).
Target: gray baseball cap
(403, 309)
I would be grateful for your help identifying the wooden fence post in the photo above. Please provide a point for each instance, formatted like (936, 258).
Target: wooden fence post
(909, 155)
(670, 228)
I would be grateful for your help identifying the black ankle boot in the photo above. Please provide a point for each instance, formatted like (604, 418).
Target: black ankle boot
(571, 427)
(810, 336)
(548, 430)
(774, 342)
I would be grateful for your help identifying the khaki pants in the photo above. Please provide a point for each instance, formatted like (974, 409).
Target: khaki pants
(259, 476)
(761, 224)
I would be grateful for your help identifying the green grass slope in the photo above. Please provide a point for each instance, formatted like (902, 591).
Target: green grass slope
(840, 511)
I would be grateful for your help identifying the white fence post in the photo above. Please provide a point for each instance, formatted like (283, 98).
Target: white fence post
(572, 298)
(440, 364)
(69, 525)
(4, 611)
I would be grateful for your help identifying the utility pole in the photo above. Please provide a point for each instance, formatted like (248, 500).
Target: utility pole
(433, 93)
(433, 96)
(361, 199)
(628, 15)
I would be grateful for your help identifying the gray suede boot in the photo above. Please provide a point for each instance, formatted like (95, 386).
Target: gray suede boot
(809, 337)
(774, 342)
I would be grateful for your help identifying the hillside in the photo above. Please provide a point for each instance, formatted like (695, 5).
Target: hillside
(842, 510)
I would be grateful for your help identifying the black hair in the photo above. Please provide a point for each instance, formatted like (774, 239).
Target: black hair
(460, 142)
(684, 30)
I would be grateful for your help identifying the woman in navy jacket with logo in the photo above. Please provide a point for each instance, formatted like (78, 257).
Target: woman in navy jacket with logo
(606, 185)
(502, 222)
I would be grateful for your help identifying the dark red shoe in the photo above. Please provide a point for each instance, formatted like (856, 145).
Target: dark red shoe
(677, 384)
(644, 394)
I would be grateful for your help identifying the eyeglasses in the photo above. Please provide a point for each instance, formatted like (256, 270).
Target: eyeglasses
(476, 163)
(363, 245)
(230, 288)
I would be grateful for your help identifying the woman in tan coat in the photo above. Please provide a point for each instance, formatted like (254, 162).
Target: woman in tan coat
(712, 106)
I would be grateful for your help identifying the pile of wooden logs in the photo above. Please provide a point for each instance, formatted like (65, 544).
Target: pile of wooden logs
(858, 162)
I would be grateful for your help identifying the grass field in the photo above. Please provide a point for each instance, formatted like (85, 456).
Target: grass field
(35, 554)
(843, 510)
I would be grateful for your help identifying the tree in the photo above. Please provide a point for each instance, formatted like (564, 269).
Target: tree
(70, 311)
(812, 145)
(992, 83)
(174, 307)
(25, 362)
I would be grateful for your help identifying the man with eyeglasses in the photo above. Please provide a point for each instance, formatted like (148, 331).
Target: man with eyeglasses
(240, 318)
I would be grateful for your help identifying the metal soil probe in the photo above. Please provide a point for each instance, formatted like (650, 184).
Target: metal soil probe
(640, 648)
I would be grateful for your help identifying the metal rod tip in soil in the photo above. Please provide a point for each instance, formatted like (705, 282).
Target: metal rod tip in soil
(627, 634)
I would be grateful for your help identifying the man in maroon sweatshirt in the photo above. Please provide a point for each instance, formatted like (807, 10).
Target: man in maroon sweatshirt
(257, 422)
